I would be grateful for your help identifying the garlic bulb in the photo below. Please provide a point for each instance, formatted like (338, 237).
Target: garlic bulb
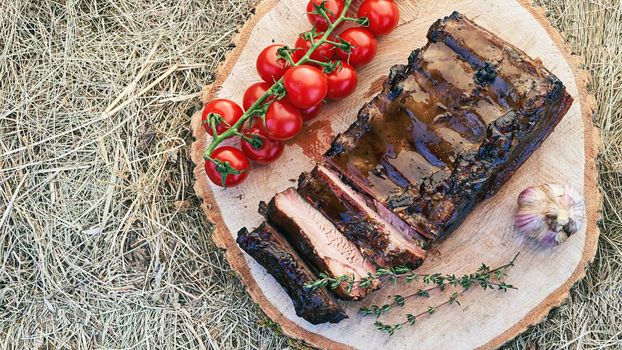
(550, 213)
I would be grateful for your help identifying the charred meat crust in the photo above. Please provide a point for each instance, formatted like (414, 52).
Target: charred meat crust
(273, 252)
(533, 101)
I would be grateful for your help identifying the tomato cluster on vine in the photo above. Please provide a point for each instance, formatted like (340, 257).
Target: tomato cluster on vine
(295, 84)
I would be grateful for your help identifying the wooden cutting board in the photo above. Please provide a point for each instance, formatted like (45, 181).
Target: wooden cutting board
(486, 319)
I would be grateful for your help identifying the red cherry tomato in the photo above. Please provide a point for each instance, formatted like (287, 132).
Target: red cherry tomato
(283, 121)
(269, 66)
(323, 53)
(227, 109)
(297, 55)
(383, 15)
(306, 86)
(253, 93)
(267, 153)
(364, 46)
(311, 113)
(342, 82)
(334, 9)
(235, 159)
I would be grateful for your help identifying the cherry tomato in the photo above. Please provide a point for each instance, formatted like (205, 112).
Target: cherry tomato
(253, 93)
(235, 159)
(267, 153)
(227, 109)
(364, 46)
(310, 113)
(297, 55)
(283, 121)
(306, 86)
(383, 15)
(323, 53)
(269, 66)
(342, 82)
(334, 9)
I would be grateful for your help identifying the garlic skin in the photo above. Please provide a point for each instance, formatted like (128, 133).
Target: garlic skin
(550, 213)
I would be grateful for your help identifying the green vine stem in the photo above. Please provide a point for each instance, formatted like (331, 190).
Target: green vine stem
(277, 88)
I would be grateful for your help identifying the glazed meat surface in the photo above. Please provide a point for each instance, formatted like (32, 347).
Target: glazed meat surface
(449, 128)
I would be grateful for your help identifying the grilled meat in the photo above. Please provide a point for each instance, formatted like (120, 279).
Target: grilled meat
(449, 128)
(347, 210)
(273, 252)
(447, 131)
(319, 241)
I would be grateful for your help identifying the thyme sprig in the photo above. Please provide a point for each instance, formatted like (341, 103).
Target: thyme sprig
(395, 274)
(484, 277)
(411, 319)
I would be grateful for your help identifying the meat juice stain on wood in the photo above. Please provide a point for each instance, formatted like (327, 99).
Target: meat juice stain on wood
(315, 139)
(376, 86)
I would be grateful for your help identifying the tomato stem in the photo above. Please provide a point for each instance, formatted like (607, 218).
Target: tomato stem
(225, 169)
(286, 53)
(363, 21)
(328, 67)
(255, 141)
(277, 87)
(345, 46)
(319, 63)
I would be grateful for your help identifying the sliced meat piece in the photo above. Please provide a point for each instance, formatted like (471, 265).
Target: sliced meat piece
(277, 256)
(319, 242)
(346, 209)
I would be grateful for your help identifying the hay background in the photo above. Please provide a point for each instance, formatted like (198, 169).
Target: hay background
(102, 241)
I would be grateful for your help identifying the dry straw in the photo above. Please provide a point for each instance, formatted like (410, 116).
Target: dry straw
(102, 241)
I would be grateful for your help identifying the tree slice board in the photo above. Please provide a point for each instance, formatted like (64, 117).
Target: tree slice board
(486, 319)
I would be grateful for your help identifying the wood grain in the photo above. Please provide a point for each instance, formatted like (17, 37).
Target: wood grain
(486, 319)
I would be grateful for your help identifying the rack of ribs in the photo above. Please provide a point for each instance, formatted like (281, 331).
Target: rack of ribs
(447, 131)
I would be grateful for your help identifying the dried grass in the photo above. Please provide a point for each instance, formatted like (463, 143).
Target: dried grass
(103, 242)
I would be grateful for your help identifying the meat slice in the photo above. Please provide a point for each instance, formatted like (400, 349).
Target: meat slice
(449, 128)
(376, 238)
(319, 242)
(273, 252)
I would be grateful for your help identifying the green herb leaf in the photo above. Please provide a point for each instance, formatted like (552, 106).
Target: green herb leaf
(384, 328)
(454, 298)
(402, 270)
(423, 293)
(504, 287)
